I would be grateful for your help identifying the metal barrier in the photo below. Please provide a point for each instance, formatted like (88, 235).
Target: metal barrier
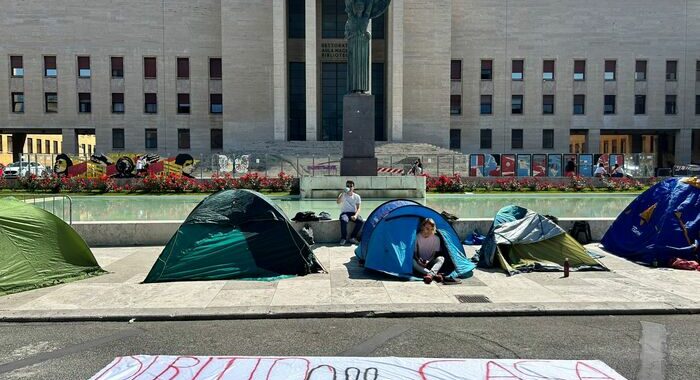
(66, 214)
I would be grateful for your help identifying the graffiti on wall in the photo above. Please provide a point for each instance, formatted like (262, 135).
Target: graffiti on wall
(125, 166)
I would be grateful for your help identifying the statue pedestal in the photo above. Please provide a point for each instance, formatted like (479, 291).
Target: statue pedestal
(358, 136)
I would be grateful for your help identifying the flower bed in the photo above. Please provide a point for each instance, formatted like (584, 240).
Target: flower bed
(459, 184)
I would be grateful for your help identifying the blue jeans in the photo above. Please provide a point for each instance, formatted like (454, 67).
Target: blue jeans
(344, 220)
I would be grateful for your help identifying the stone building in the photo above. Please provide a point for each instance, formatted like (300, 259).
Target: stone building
(497, 76)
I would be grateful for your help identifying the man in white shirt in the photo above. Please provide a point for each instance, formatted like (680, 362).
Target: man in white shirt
(349, 203)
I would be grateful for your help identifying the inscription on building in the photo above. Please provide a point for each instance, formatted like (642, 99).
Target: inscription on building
(334, 51)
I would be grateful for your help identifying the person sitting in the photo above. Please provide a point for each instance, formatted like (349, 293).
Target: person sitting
(427, 260)
(350, 203)
(600, 171)
(570, 169)
(618, 172)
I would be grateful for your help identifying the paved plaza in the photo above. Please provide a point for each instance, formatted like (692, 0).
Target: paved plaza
(348, 289)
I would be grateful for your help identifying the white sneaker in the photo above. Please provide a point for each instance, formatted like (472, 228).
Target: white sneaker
(354, 241)
(342, 242)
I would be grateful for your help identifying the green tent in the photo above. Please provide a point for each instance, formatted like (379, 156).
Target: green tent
(38, 249)
(521, 240)
(234, 234)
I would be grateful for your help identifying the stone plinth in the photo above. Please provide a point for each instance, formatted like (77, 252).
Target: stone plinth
(367, 187)
(358, 136)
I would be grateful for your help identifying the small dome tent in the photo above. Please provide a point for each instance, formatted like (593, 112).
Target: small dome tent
(660, 225)
(389, 238)
(521, 240)
(38, 249)
(234, 234)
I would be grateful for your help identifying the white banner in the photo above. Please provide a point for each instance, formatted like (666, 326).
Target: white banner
(340, 368)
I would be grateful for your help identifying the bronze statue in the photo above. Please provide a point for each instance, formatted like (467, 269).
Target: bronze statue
(360, 12)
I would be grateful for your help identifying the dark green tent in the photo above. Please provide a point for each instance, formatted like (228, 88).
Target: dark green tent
(234, 234)
(38, 249)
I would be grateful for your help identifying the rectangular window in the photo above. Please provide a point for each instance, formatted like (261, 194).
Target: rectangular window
(183, 68)
(84, 67)
(214, 68)
(486, 69)
(456, 70)
(217, 139)
(610, 70)
(55, 147)
(640, 104)
(118, 138)
(485, 140)
(117, 67)
(296, 23)
(117, 102)
(297, 101)
(38, 146)
(216, 104)
(548, 104)
(151, 139)
(150, 103)
(183, 103)
(17, 66)
(609, 108)
(671, 71)
(486, 104)
(671, 105)
(697, 104)
(47, 145)
(579, 104)
(18, 102)
(548, 70)
(640, 71)
(50, 70)
(455, 104)
(455, 139)
(516, 139)
(548, 139)
(333, 19)
(150, 68)
(518, 69)
(30, 145)
(9, 144)
(183, 139)
(84, 102)
(51, 102)
(579, 70)
(517, 105)
(697, 71)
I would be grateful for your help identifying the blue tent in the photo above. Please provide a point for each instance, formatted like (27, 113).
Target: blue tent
(662, 224)
(389, 238)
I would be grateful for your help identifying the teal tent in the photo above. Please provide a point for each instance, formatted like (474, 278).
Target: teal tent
(234, 234)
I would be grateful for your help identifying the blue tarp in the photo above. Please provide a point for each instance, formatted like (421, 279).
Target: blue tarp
(389, 238)
(662, 224)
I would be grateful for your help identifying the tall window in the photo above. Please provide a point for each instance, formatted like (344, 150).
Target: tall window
(50, 70)
(579, 104)
(517, 105)
(216, 104)
(117, 67)
(548, 139)
(297, 101)
(516, 139)
(455, 139)
(150, 68)
(378, 27)
(38, 146)
(47, 145)
(610, 70)
(18, 102)
(30, 145)
(486, 69)
(671, 71)
(579, 70)
(640, 71)
(697, 71)
(55, 147)
(456, 70)
(183, 103)
(118, 138)
(84, 67)
(183, 68)
(183, 139)
(486, 105)
(455, 104)
(117, 102)
(671, 105)
(518, 69)
(150, 103)
(333, 19)
(697, 104)
(17, 66)
(333, 89)
(217, 139)
(377, 84)
(548, 104)
(640, 104)
(609, 107)
(51, 102)
(296, 22)
(9, 144)
(485, 139)
(548, 70)
(215, 68)
(151, 138)
(84, 102)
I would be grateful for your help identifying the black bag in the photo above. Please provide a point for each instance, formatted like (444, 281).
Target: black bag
(305, 216)
(324, 216)
(449, 217)
(308, 234)
(581, 227)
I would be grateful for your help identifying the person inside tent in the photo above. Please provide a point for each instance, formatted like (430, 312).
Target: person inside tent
(427, 259)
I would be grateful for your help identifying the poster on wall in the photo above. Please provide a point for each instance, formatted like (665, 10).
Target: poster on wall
(492, 165)
(602, 159)
(617, 159)
(570, 165)
(539, 165)
(476, 165)
(508, 165)
(524, 164)
(554, 166)
(585, 166)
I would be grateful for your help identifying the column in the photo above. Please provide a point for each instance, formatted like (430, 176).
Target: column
(279, 80)
(684, 140)
(395, 74)
(311, 59)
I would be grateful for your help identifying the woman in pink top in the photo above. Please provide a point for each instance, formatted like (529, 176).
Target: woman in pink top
(426, 259)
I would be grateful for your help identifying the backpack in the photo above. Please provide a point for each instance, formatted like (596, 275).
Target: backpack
(307, 234)
(305, 216)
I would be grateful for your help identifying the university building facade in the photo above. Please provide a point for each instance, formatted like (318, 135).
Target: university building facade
(476, 76)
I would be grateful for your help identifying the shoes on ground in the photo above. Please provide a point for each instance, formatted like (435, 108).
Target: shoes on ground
(342, 242)
(427, 279)
(354, 241)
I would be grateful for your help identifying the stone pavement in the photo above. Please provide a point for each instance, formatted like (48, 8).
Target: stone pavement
(348, 290)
